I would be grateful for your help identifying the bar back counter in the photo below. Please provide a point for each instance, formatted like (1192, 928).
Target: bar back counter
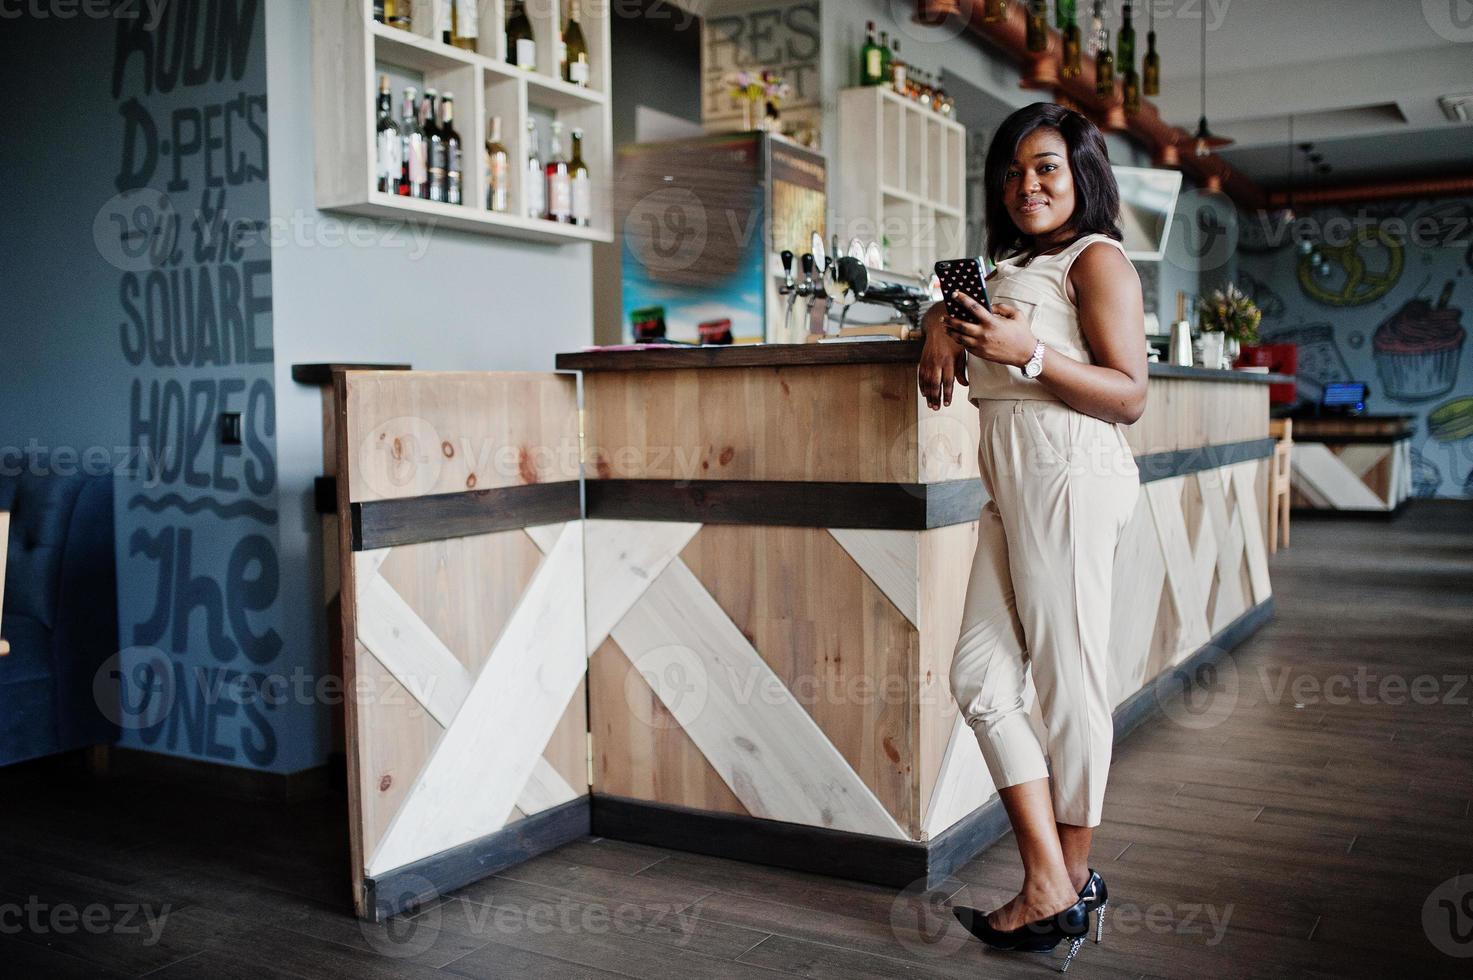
(766, 575)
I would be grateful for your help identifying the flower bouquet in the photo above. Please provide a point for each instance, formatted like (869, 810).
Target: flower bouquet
(752, 87)
(1228, 318)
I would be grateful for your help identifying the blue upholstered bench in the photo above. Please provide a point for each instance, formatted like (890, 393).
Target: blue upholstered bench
(60, 609)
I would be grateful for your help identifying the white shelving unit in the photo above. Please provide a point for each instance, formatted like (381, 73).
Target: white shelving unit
(350, 50)
(902, 176)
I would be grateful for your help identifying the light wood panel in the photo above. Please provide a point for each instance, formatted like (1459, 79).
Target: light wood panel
(413, 433)
(744, 719)
(850, 422)
(1183, 414)
(467, 708)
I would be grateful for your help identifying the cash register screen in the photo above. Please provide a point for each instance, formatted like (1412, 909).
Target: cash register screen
(1344, 395)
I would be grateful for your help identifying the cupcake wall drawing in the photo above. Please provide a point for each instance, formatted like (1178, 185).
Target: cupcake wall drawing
(1417, 349)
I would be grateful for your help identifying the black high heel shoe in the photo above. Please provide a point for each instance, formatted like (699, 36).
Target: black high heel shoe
(1040, 936)
(1096, 898)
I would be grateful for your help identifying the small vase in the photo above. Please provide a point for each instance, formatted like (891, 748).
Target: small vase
(1212, 349)
(1231, 350)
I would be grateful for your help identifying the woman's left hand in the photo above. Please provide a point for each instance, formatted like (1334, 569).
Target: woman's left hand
(1002, 335)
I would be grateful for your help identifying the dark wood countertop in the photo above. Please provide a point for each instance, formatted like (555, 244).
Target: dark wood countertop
(804, 355)
(1355, 428)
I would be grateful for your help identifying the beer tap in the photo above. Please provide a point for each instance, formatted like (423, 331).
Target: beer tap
(789, 288)
(854, 283)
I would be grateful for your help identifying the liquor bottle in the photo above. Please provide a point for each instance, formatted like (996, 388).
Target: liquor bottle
(389, 147)
(884, 58)
(1151, 63)
(897, 69)
(871, 60)
(1066, 18)
(521, 46)
(575, 49)
(1130, 88)
(434, 147)
(1125, 43)
(559, 180)
(582, 182)
(1037, 26)
(498, 169)
(534, 181)
(1104, 67)
(415, 175)
(459, 23)
(454, 155)
(399, 13)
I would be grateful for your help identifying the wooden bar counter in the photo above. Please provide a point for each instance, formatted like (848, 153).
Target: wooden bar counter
(777, 542)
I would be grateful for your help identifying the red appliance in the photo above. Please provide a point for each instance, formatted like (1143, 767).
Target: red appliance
(1279, 359)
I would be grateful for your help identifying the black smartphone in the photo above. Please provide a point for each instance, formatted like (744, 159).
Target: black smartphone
(964, 276)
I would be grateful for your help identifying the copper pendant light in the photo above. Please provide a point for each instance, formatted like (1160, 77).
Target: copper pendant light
(934, 12)
(1204, 141)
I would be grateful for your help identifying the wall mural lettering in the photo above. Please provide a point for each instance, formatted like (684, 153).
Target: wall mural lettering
(197, 514)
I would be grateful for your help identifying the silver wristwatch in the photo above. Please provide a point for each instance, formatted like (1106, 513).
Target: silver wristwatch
(1034, 367)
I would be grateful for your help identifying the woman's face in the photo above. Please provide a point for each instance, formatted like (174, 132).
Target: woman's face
(1038, 189)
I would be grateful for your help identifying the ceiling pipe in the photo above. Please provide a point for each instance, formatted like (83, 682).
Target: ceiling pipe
(1146, 127)
(1355, 193)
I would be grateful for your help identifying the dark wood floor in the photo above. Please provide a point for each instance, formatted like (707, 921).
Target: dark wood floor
(1296, 820)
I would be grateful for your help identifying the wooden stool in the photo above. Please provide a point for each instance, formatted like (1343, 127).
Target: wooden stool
(1279, 468)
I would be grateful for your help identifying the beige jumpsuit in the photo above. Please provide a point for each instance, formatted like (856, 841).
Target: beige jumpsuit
(1063, 485)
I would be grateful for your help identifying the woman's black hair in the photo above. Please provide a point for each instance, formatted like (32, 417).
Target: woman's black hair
(1096, 195)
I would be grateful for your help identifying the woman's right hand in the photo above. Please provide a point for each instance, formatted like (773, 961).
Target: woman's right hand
(943, 360)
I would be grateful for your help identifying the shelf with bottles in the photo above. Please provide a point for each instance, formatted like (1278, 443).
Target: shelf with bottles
(351, 51)
(500, 32)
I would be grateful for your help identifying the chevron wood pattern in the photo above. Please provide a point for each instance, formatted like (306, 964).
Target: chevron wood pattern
(468, 673)
(1351, 476)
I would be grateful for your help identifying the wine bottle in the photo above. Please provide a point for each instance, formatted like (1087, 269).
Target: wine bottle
(498, 170)
(1151, 63)
(415, 177)
(575, 49)
(897, 69)
(534, 181)
(1071, 62)
(884, 58)
(434, 147)
(1125, 43)
(397, 13)
(388, 145)
(459, 23)
(1105, 67)
(871, 60)
(582, 182)
(521, 46)
(1130, 88)
(1037, 26)
(559, 180)
(454, 157)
